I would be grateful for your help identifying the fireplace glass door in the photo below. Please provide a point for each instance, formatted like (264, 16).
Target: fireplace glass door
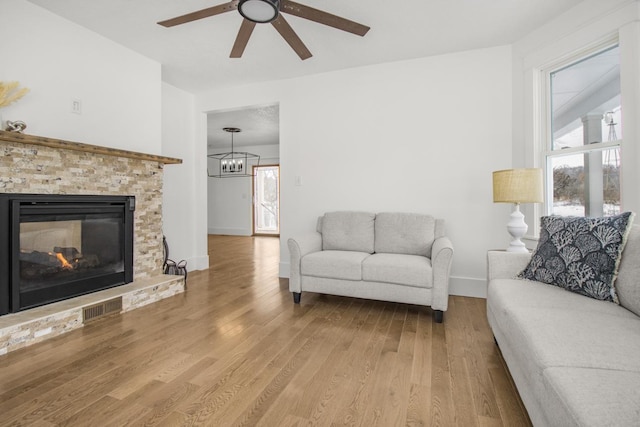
(57, 257)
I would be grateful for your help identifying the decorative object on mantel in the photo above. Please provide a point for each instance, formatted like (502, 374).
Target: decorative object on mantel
(517, 186)
(10, 93)
(233, 163)
(16, 126)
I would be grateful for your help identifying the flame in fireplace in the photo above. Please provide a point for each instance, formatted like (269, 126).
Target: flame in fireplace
(63, 261)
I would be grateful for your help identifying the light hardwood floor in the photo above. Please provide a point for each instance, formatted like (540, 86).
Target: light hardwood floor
(235, 350)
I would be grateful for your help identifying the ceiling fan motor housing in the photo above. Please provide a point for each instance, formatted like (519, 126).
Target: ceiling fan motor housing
(260, 11)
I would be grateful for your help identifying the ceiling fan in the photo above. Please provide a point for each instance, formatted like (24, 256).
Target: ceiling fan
(265, 11)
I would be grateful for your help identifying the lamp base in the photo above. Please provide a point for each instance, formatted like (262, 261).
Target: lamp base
(517, 228)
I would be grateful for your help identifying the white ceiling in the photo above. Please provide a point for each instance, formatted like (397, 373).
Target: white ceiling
(195, 56)
(260, 126)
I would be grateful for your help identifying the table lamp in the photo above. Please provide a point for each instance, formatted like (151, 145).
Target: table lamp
(517, 186)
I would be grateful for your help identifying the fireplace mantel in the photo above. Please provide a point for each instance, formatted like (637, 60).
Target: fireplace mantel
(78, 146)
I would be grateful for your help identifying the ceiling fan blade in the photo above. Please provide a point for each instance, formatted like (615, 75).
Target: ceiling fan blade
(321, 17)
(204, 13)
(242, 38)
(291, 37)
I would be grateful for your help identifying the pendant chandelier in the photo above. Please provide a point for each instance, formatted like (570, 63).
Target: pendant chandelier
(232, 164)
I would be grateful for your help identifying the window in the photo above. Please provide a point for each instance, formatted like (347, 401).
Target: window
(582, 156)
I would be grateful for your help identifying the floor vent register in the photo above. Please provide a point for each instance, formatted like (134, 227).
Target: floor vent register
(96, 311)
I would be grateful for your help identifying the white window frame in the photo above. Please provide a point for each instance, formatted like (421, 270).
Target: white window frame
(572, 36)
(546, 142)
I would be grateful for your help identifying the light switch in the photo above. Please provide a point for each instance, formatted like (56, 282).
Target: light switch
(76, 106)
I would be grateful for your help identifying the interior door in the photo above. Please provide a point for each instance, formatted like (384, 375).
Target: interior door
(266, 200)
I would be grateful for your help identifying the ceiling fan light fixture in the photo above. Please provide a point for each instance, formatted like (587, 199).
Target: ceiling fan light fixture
(259, 11)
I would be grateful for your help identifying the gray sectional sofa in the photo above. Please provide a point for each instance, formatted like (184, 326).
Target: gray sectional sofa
(575, 360)
(399, 257)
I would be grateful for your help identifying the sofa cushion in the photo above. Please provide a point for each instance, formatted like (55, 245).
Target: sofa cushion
(404, 233)
(580, 254)
(628, 282)
(410, 270)
(542, 327)
(345, 265)
(348, 231)
(592, 397)
(556, 328)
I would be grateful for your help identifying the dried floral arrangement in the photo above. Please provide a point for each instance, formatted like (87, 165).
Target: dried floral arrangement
(10, 92)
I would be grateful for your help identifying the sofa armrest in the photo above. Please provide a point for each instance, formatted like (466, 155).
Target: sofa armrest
(299, 247)
(505, 265)
(441, 258)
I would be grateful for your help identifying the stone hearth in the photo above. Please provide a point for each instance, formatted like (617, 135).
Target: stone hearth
(38, 165)
(28, 327)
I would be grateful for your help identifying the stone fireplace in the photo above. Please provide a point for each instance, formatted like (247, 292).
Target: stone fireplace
(51, 168)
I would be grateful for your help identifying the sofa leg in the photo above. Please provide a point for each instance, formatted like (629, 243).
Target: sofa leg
(296, 297)
(438, 315)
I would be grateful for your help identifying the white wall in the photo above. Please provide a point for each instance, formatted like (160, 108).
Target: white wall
(119, 90)
(124, 105)
(186, 240)
(419, 136)
(229, 199)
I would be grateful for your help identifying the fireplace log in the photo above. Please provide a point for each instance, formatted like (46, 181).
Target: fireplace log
(46, 259)
(37, 264)
(34, 264)
(68, 253)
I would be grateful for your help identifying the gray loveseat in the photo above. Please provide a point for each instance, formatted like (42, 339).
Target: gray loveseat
(575, 360)
(399, 257)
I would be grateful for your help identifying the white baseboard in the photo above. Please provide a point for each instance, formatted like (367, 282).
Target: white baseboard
(198, 263)
(284, 270)
(461, 286)
(229, 231)
(468, 287)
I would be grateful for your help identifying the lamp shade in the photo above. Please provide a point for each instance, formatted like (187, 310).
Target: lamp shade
(518, 186)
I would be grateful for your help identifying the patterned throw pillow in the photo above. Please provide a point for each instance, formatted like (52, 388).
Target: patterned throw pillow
(580, 254)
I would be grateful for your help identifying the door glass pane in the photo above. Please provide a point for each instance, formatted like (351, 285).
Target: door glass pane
(586, 184)
(266, 200)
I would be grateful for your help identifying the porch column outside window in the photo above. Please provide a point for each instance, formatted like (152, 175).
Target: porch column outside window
(593, 174)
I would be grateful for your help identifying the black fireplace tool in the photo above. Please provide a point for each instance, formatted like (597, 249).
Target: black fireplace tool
(170, 266)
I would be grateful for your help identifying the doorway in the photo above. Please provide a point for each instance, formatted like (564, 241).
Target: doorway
(266, 200)
(230, 201)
